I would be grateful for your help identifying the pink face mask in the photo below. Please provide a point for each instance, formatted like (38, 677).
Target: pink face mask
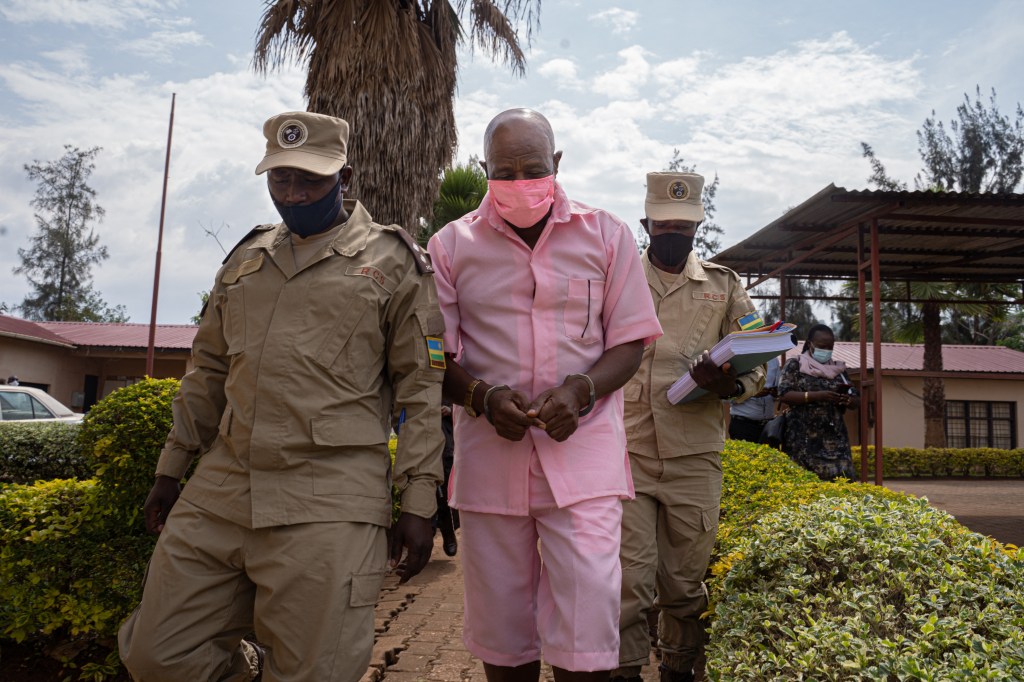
(522, 202)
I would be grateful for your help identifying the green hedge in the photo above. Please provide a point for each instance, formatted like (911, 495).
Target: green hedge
(123, 434)
(945, 462)
(65, 570)
(869, 589)
(800, 561)
(36, 451)
(73, 554)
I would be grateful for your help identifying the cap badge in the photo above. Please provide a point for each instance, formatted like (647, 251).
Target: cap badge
(678, 191)
(292, 134)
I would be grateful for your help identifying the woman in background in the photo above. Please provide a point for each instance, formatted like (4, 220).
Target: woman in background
(818, 392)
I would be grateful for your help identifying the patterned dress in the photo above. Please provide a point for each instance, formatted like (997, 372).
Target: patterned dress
(816, 436)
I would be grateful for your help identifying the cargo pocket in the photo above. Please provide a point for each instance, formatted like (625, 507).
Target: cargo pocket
(709, 519)
(365, 589)
(581, 318)
(329, 355)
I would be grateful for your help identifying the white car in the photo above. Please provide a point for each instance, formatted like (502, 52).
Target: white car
(24, 403)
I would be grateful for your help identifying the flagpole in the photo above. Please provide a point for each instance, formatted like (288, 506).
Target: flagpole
(150, 352)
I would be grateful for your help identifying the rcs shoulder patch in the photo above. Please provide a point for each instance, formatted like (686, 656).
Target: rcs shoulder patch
(435, 352)
(710, 295)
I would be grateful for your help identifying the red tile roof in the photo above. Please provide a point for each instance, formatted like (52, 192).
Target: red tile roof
(955, 358)
(17, 328)
(128, 335)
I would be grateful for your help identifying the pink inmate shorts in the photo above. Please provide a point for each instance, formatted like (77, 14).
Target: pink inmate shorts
(561, 596)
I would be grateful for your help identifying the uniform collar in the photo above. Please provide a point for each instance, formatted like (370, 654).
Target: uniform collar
(350, 240)
(692, 270)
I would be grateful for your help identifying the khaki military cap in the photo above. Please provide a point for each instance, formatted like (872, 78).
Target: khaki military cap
(300, 139)
(674, 196)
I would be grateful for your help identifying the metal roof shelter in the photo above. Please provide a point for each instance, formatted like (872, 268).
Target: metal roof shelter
(871, 236)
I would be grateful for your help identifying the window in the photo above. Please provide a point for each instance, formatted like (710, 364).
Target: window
(979, 424)
(17, 406)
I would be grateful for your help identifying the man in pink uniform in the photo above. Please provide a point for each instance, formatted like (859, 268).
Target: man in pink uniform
(547, 313)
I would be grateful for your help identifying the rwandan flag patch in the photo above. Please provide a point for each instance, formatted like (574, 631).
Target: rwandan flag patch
(751, 321)
(435, 351)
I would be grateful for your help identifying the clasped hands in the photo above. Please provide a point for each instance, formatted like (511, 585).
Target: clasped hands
(555, 411)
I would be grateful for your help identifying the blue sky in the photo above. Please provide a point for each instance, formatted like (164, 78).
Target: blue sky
(774, 97)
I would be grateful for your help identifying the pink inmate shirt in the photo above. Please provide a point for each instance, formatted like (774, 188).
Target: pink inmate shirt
(528, 318)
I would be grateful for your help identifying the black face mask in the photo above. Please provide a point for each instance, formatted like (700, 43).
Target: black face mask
(312, 218)
(671, 248)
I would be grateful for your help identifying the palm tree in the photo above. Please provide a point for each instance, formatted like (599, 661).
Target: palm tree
(462, 188)
(389, 67)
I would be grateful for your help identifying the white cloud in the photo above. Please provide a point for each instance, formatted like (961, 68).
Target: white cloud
(70, 58)
(160, 45)
(98, 13)
(620, 20)
(216, 145)
(625, 81)
(563, 72)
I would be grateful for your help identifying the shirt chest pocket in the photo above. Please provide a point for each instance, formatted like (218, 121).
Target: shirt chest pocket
(331, 353)
(581, 318)
(704, 320)
(234, 303)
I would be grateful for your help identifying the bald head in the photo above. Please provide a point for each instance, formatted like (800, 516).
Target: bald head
(527, 120)
(519, 144)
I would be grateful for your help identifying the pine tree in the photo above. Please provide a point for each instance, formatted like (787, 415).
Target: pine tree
(64, 248)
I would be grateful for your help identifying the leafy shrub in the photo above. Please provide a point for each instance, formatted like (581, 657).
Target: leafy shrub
(33, 451)
(63, 570)
(869, 589)
(124, 434)
(945, 461)
(757, 481)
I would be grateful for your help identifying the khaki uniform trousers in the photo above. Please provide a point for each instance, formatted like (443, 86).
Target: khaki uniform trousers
(668, 533)
(307, 591)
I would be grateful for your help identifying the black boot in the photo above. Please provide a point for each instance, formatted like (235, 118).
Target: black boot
(444, 521)
(668, 675)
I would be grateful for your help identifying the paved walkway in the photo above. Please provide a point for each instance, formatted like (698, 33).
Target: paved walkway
(419, 624)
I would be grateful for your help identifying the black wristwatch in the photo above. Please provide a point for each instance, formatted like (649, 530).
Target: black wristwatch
(737, 393)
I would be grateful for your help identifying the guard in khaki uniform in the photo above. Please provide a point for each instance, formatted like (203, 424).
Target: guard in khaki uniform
(319, 333)
(668, 531)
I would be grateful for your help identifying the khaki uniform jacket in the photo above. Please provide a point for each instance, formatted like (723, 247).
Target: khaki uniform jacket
(298, 376)
(702, 305)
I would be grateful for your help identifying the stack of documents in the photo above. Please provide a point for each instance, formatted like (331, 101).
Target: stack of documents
(743, 351)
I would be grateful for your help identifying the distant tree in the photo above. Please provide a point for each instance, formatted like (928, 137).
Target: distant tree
(706, 242)
(462, 188)
(983, 151)
(204, 298)
(801, 296)
(58, 264)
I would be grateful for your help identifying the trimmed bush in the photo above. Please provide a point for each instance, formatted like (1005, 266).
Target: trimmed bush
(123, 434)
(869, 589)
(64, 571)
(945, 462)
(34, 451)
(758, 481)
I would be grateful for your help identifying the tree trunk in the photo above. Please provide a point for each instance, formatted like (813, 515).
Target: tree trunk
(934, 388)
